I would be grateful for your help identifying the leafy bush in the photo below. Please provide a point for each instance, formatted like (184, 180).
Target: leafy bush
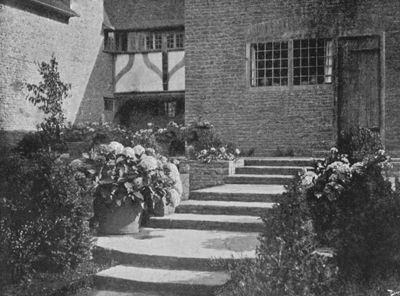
(44, 221)
(174, 135)
(355, 212)
(335, 231)
(358, 143)
(289, 260)
(120, 175)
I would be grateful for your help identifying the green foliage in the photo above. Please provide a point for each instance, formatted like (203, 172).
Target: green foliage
(49, 96)
(146, 138)
(359, 143)
(95, 133)
(31, 143)
(44, 221)
(355, 212)
(203, 138)
(117, 175)
(175, 135)
(288, 261)
(334, 232)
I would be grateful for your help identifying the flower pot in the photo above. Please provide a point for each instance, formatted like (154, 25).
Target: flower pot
(122, 220)
(161, 208)
(76, 149)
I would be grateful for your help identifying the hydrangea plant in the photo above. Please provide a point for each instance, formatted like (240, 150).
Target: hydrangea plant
(213, 154)
(119, 174)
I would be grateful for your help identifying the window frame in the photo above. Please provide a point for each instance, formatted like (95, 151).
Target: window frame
(290, 84)
(108, 104)
(137, 41)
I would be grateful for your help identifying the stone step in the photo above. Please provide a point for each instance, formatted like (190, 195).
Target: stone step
(108, 292)
(180, 249)
(259, 179)
(207, 222)
(224, 207)
(127, 278)
(240, 192)
(279, 161)
(270, 170)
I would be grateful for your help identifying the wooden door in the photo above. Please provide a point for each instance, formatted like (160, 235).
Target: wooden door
(358, 84)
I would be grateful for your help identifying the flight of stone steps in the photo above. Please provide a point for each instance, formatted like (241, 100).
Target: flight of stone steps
(171, 255)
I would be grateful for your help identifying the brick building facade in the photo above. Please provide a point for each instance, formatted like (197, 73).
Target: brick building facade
(268, 74)
(304, 115)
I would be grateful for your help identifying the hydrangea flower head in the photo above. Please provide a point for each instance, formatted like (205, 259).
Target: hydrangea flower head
(149, 163)
(139, 150)
(116, 147)
(128, 151)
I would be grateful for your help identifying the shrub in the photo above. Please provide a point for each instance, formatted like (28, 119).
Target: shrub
(358, 143)
(334, 231)
(95, 133)
(174, 135)
(49, 96)
(288, 261)
(355, 212)
(44, 216)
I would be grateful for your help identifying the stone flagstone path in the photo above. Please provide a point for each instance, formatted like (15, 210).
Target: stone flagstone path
(171, 256)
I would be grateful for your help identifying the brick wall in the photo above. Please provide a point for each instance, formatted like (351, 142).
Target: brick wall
(302, 118)
(27, 38)
(203, 175)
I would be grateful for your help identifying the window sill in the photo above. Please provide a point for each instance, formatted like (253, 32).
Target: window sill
(140, 52)
(290, 87)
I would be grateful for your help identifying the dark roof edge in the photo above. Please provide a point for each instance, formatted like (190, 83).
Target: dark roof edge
(178, 94)
(66, 12)
(170, 27)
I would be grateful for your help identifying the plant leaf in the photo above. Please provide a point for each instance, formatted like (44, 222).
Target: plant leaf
(138, 195)
(128, 185)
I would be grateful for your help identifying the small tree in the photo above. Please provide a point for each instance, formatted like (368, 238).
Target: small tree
(49, 96)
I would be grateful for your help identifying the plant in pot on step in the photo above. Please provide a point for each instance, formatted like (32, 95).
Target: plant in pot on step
(125, 182)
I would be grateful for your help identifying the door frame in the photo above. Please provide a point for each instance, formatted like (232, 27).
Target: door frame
(382, 81)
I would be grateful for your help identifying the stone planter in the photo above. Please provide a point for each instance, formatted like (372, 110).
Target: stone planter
(123, 220)
(76, 149)
(203, 175)
(161, 209)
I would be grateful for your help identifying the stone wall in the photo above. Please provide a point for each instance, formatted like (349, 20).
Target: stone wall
(302, 118)
(203, 175)
(29, 38)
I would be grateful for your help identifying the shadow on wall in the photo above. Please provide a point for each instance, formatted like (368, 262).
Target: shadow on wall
(98, 87)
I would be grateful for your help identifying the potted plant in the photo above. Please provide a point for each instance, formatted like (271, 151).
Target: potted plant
(213, 154)
(125, 182)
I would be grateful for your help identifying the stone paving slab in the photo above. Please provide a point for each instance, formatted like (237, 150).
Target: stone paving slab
(258, 179)
(183, 243)
(278, 161)
(176, 248)
(245, 189)
(227, 204)
(181, 282)
(211, 222)
(224, 207)
(270, 170)
(220, 218)
(240, 192)
(115, 293)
